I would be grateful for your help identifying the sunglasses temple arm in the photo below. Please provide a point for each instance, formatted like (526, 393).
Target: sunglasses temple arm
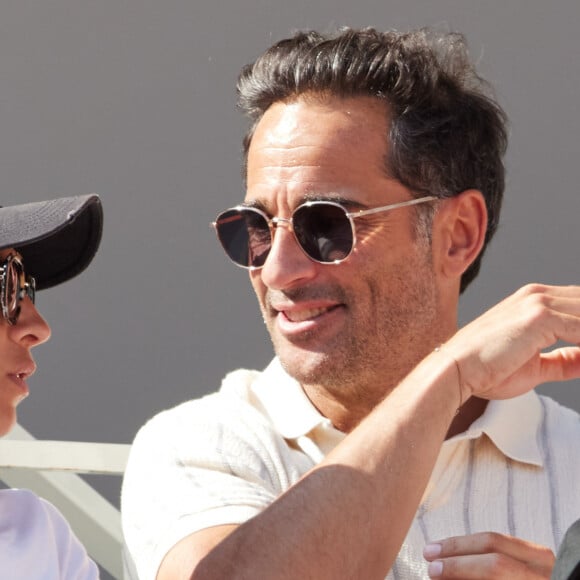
(392, 206)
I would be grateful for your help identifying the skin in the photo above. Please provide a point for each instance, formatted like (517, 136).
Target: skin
(488, 555)
(397, 296)
(16, 363)
(331, 325)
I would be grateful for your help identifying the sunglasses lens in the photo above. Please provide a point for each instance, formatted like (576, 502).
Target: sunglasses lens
(11, 289)
(324, 231)
(31, 288)
(245, 236)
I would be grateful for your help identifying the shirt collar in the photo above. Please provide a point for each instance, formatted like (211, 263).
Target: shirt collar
(293, 415)
(285, 403)
(517, 440)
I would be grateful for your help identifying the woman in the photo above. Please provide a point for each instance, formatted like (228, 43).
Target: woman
(41, 245)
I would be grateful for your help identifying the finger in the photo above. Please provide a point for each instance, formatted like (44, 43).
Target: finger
(561, 364)
(537, 556)
(489, 542)
(563, 298)
(500, 352)
(484, 567)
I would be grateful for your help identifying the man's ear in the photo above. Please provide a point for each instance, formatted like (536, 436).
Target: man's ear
(460, 226)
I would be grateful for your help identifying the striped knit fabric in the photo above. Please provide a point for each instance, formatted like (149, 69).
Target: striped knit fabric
(223, 458)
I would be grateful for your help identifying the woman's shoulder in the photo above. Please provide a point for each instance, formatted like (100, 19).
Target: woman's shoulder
(33, 532)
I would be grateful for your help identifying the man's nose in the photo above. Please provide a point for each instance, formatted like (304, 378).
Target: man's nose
(286, 265)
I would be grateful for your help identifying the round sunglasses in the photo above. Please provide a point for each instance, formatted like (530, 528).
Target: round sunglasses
(15, 285)
(324, 231)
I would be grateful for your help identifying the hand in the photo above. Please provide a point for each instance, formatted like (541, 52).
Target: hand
(500, 353)
(488, 555)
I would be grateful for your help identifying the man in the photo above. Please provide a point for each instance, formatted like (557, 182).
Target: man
(381, 441)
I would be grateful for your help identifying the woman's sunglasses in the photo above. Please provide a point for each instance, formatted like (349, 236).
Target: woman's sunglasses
(323, 229)
(15, 285)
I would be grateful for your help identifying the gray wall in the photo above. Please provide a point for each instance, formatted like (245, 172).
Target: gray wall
(135, 100)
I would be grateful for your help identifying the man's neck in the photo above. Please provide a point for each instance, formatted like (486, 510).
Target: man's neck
(471, 410)
(346, 417)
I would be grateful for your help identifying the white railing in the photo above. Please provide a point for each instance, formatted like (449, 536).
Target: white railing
(50, 468)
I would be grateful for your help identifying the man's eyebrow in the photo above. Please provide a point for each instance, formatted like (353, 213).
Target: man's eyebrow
(334, 197)
(255, 203)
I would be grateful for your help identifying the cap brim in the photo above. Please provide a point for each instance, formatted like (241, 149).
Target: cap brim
(57, 238)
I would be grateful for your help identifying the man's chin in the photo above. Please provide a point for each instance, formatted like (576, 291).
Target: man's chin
(304, 365)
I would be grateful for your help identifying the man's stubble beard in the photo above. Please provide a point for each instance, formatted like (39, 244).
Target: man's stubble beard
(372, 355)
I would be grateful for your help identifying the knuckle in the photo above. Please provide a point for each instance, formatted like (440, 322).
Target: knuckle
(533, 300)
(532, 289)
(491, 541)
(450, 546)
(546, 556)
(537, 306)
(497, 564)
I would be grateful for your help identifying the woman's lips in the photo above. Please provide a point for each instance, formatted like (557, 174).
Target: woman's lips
(19, 379)
(20, 375)
(25, 371)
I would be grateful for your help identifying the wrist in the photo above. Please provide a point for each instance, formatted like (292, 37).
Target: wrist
(463, 392)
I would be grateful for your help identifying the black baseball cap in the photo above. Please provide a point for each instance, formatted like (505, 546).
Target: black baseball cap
(57, 238)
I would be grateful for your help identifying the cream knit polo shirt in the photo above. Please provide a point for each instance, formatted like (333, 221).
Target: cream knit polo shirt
(223, 458)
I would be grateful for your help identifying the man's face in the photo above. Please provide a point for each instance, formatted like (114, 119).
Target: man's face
(372, 316)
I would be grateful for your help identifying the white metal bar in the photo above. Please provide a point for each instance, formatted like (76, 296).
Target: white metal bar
(95, 520)
(73, 456)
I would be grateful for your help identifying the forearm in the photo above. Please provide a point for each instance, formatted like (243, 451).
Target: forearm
(348, 517)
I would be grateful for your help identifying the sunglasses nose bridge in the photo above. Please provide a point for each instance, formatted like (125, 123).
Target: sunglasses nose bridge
(288, 223)
(277, 222)
(280, 221)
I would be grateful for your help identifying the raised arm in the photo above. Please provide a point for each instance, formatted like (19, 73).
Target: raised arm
(348, 517)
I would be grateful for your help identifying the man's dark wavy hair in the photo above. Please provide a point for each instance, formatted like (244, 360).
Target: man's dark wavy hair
(447, 133)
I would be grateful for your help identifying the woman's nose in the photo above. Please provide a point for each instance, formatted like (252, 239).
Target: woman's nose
(30, 327)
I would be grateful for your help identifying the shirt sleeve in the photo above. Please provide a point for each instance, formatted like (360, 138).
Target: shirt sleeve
(37, 542)
(208, 462)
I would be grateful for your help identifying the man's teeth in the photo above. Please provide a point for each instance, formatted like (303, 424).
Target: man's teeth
(301, 315)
